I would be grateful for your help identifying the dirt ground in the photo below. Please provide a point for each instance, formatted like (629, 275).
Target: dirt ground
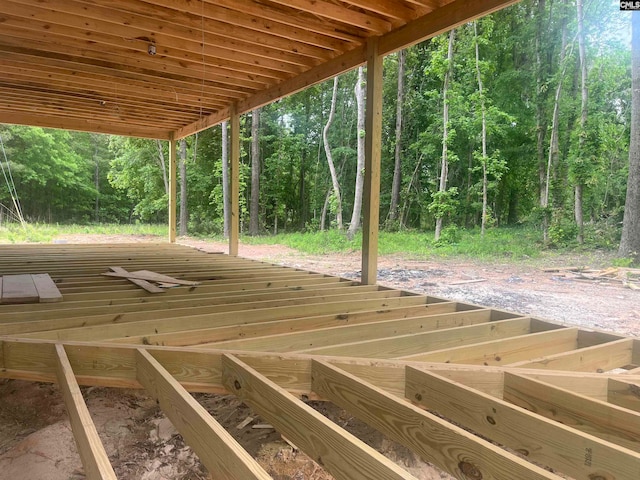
(36, 440)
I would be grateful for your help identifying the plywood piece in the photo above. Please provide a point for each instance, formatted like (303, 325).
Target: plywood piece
(19, 289)
(215, 447)
(449, 447)
(342, 454)
(92, 453)
(47, 290)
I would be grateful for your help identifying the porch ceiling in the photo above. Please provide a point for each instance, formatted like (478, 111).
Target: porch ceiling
(85, 64)
(514, 397)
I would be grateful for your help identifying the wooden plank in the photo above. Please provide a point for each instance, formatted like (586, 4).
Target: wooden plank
(624, 393)
(215, 447)
(448, 446)
(505, 351)
(149, 287)
(47, 290)
(149, 276)
(173, 189)
(234, 180)
(342, 454)
(372, 155)
(92, 453)
(19, 289)
(601, 419)
(562, 448)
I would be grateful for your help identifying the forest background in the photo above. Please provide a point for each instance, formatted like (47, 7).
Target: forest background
(519, 119)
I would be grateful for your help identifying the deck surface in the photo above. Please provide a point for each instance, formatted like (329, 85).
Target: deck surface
(480, 393)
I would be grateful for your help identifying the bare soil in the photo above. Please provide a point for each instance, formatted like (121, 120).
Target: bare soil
(36, 439)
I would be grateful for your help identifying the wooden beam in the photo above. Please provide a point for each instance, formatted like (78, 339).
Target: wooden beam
(342, 454)
(173, 189)
(215, 447)
(92, 453)
(598, 418)
(624, 393)
(449, 447)
(373, 146)
(234, 181)
(558, 446)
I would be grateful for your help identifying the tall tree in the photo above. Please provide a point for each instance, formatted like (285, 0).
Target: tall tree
(630, 241)
(226, 200)
(184, 215)
(397, 165)
(254, 207)
(582, 134)
(163, 166)
(357, 201)
(327, 150)
(483, 112)
(444, 168)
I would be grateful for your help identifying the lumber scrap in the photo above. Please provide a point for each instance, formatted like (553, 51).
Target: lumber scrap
(92, 453)
(451, 448)
(19, 289)
(148, 275)
(47, 290)
(149, 287)
(558, 446)
(342, 454)
(215, 447)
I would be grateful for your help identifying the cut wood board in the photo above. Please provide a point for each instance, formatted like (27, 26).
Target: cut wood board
(147, 275)
(148, 286)
(47, 290)
(19, 289)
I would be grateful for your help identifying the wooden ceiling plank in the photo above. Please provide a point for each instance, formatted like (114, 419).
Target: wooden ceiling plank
(538, 438)
(164, 24)
(336, 450)
(451, 448)
(395, 346)
(92, 453)
(594, 417)
(215, 447)
(81, 125)
(337, 12)
(505, 351)
(396, 10)
(322, 337)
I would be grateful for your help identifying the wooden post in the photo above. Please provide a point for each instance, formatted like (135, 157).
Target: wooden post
(371, 200)
(173, 197)
(234, 164)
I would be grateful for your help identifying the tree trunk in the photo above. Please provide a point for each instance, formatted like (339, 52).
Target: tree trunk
(96, 177)
(325, 207)
(357, 201)
(541, 126)
(484, 133)
(554, 143)
(397, 169)
(184, 215)
(327, 149)
(444, 171)
(630, 241)
(583, 119)
(254, 208)
(226, 200)
(163, 167)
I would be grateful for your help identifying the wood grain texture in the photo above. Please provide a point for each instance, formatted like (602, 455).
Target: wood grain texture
(216, 448)
(92, 453)
(339, 452)
(47, 290)
(19, 289)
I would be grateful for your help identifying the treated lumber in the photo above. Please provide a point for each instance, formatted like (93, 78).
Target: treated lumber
(149, 287)
(564, 449)
(598, 358)
(624, 393)
(394, 346)
(18, 289)
(448, 446)
(595, 417)
(92, 453)
(147, 275)
(505, 351)
(328, 336)
(215, 447)
(47, 290)
(339, 452)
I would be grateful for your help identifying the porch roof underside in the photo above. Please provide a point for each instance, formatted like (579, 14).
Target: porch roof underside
(85, 64)
(481, 393)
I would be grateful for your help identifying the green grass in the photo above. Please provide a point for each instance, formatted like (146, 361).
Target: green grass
(46, 233)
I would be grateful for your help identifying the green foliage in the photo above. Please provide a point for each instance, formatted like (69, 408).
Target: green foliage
(450, 235)
(47, 233)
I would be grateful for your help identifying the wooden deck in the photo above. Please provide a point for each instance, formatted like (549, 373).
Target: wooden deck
(481, 393)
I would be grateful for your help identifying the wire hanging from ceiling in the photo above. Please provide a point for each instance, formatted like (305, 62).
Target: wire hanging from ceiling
(11, 185)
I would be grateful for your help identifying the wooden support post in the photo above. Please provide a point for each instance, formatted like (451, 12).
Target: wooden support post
(373, 139)
(216, 448)
(173, 196)
(234, 167)
(92, 453)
